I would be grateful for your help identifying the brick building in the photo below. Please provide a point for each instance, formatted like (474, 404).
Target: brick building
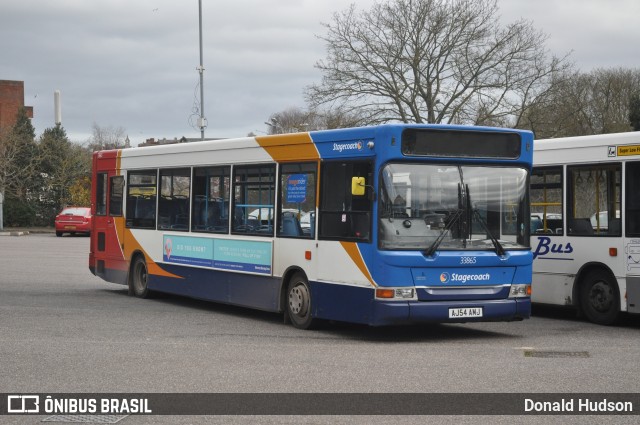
(11, 100)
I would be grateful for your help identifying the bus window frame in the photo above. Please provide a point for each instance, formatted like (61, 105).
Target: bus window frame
(559, 231)
(615, 167)
(370, 201)
(128, 220)
(102, 193)
(111, 198)
(280, 201)
(234, 204)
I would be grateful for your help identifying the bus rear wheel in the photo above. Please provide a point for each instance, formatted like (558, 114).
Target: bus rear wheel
(139, 278)
(299, 302)
(599, 298)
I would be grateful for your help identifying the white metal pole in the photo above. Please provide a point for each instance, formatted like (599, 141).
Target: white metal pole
(201, 70)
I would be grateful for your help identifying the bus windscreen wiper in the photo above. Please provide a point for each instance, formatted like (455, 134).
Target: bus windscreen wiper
(498, 246)
(456, 216)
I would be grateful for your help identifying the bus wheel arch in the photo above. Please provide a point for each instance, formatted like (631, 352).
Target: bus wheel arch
(297, 299)
(138, 276)
(597, 294)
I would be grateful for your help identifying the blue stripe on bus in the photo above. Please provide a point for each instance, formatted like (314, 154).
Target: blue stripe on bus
(330, 301)
(255, 291)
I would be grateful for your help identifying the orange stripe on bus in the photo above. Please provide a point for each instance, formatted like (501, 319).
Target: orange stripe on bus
(289, 147)
(131, 245)
(356, 257)
(118, 162)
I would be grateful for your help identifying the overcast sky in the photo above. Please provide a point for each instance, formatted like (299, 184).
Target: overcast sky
(132, 63)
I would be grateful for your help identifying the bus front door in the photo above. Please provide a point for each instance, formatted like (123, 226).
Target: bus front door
(632, 235)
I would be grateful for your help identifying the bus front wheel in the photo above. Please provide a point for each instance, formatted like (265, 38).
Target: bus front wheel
(599, 298)
(139, 278)
(299, 302)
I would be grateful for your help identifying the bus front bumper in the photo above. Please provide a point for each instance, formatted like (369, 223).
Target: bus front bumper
(504, 310)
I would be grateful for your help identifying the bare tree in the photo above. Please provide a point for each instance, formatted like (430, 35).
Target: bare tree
(291, 120)
(587, 103)
(296, 119)
(434, 61)
(106, 137)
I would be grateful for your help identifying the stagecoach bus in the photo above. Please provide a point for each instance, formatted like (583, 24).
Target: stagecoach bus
(378, 225)
(585, 219)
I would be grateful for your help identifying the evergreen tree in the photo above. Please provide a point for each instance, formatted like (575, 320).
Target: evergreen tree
(61, 165)
(18, 158)
(23, 127)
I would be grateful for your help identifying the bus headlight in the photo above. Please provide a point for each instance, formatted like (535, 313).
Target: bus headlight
(520, 291)
(396, 293)
(404, 293)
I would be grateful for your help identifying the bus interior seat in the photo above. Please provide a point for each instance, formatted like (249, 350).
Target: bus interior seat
(312, 225)
(360, 226)
(181, 222)
(164, 222)
(580, 226)
(536, 224)
(290, 225)
(615, 226)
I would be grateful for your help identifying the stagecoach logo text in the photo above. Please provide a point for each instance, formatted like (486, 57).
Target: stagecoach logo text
(464, 278)
(347, 146)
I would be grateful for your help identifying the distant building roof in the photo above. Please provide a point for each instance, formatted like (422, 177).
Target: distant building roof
(11, 100)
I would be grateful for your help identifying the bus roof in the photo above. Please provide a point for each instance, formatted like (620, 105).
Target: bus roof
(308, 146)
(600, 147)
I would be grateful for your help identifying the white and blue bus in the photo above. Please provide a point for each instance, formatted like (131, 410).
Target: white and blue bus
(585, 220)
(378, 225)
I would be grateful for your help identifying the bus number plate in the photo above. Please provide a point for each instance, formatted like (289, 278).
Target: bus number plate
(461, 313)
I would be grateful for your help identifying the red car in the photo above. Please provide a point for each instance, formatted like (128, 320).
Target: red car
(73, 220)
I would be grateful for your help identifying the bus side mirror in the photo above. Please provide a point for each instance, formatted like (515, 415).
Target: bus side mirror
(358, 186)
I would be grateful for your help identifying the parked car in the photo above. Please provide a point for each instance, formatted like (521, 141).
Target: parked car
(603, 220)
(305, 222)
(73, 220)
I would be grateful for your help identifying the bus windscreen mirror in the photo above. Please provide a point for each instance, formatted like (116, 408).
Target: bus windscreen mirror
(357, 186)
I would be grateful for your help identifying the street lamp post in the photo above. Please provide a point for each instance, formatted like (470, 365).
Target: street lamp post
(202, 122)
(1, 209)
(273, 125)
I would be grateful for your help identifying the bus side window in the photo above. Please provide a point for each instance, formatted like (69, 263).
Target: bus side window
(173, 205)
(115, 196)
(546, 201)
(101, 194)
(210, 205)
(254, 199)
(344, 215)
(593, 199)
(141, 199)
(297, 200)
